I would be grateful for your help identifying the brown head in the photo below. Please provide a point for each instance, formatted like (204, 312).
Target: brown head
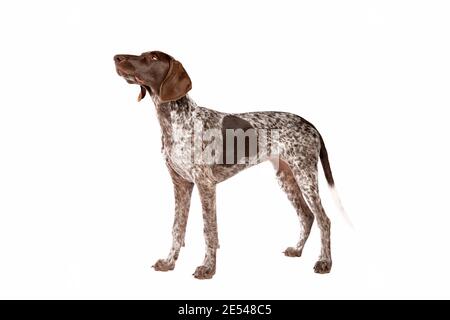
(157, 72)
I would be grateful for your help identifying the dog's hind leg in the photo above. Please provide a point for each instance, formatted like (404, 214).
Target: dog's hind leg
(305, 173)
(289, 185)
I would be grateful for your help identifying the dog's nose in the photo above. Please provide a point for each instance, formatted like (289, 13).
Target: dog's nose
(119, 58)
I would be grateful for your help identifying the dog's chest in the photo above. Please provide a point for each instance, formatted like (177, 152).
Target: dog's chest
(179, 150)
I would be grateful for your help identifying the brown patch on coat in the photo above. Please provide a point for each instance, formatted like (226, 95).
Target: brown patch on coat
(232, 122)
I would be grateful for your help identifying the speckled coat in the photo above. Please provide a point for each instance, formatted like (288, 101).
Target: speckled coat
(294, 150)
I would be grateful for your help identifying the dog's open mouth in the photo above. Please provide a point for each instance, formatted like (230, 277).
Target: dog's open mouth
(129, 78)
(132, 79)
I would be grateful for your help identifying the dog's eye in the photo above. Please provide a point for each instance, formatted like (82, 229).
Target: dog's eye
(153, 57)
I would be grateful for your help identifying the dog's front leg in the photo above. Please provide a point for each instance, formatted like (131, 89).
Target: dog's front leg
(183, 192)
(208, 199)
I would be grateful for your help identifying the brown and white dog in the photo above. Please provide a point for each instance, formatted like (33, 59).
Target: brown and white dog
(204, 147)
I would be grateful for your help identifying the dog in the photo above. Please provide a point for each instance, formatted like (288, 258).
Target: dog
(295, 148)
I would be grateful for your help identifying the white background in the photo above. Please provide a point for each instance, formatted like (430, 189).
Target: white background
(85, 200)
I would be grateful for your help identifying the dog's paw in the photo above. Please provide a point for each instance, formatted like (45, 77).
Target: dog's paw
(292, 252)
(322, 266)
(163, 265)
(204, 272)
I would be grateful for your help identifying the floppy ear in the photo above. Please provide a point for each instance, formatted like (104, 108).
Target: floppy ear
(176, 84)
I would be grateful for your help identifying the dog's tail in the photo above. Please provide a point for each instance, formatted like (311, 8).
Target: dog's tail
(329, 176)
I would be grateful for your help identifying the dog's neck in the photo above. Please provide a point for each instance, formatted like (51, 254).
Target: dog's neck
(169, 113)
(184, 104)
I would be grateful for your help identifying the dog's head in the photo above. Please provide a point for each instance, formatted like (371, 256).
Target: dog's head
(155, 71)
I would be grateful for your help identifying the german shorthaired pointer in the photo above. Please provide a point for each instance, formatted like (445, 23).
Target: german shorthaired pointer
(191, 133)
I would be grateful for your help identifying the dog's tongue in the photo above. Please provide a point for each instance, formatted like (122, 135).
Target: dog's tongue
(142, 94)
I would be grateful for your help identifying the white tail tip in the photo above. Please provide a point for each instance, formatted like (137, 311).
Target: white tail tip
(338, 202)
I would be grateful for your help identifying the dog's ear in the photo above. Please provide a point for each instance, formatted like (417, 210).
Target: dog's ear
(176, 84)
